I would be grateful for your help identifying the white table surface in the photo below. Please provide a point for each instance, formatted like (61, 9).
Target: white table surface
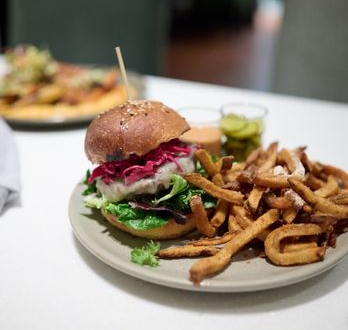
(49, 281)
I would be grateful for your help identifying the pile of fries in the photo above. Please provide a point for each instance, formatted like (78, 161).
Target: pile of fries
(294, 206)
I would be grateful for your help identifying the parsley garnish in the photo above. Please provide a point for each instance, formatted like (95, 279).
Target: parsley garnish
(146, 255)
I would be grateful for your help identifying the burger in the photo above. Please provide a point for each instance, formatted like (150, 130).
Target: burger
(139, 158)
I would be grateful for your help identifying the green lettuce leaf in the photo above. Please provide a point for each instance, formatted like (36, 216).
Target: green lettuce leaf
(200, 169)
(179, 184)
(146, 255)
(91, 188)
(180, 194)
(135, 218)
(177, 198)
(181, 202)
(95, 201)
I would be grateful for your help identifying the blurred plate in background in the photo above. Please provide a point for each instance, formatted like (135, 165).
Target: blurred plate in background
(45, 116)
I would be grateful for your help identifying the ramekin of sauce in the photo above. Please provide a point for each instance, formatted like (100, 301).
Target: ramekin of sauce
(205, 128)
(242, 125)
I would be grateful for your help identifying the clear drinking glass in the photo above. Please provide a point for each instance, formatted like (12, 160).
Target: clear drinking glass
(205, 130)
(242, 125)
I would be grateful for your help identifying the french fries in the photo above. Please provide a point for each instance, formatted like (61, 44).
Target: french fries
(270, 161)
(218, 180)
(292, 247)
(206, 162)
(244, 220)
(289, 215)
(294, 206)
(293, 163)
(252, 158)
(337, 172)
(212, 265)
(220, 215)
(313, 182)
(306, 162)
(297, 201)
(187, 251)
(330, 188)
(197, 180)
(319, 203)
(200, 217)
(225, 164)
(233, 225)
(255, 197)
(340, 199)
(281, 203)
(271, 181)
(293, 257)
(215, 240)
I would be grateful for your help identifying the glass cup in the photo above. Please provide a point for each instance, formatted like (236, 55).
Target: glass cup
(242, 125)
(205, 131)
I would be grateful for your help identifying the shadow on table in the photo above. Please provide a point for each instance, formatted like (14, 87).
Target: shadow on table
(16, 203)
(221, 303)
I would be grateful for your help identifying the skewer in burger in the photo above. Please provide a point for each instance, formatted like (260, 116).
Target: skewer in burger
(139, 156)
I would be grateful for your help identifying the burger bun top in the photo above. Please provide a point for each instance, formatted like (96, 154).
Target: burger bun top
(134, 127)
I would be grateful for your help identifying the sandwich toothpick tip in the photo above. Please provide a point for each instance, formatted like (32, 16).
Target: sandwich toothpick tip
(123, 71)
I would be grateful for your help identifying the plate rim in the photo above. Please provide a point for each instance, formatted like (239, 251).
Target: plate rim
(149, 274)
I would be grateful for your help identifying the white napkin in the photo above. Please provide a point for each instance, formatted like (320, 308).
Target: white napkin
(9, 169)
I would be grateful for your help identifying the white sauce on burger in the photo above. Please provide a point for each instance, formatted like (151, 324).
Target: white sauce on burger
(118, 190)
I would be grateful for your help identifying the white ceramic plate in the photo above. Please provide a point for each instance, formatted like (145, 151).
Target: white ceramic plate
(244, 274)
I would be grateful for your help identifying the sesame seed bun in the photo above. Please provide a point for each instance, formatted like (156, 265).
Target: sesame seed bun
(134, 127)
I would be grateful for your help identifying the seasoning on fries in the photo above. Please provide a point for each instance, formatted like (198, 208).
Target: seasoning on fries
(294, 206)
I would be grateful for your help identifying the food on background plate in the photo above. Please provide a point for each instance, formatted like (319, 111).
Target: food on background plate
(278, 211)
(37, 87)
(137, 183)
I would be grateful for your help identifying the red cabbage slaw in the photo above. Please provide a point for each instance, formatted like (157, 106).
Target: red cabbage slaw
(138, 167)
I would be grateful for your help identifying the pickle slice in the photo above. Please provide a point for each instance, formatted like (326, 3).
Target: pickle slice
(242, 135)
(232, 123)
(252, 128)
(235, 144)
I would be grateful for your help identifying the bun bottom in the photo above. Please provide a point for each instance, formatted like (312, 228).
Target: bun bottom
(170, 230)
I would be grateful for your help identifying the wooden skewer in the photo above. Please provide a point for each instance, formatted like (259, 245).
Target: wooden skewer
(123, 71)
